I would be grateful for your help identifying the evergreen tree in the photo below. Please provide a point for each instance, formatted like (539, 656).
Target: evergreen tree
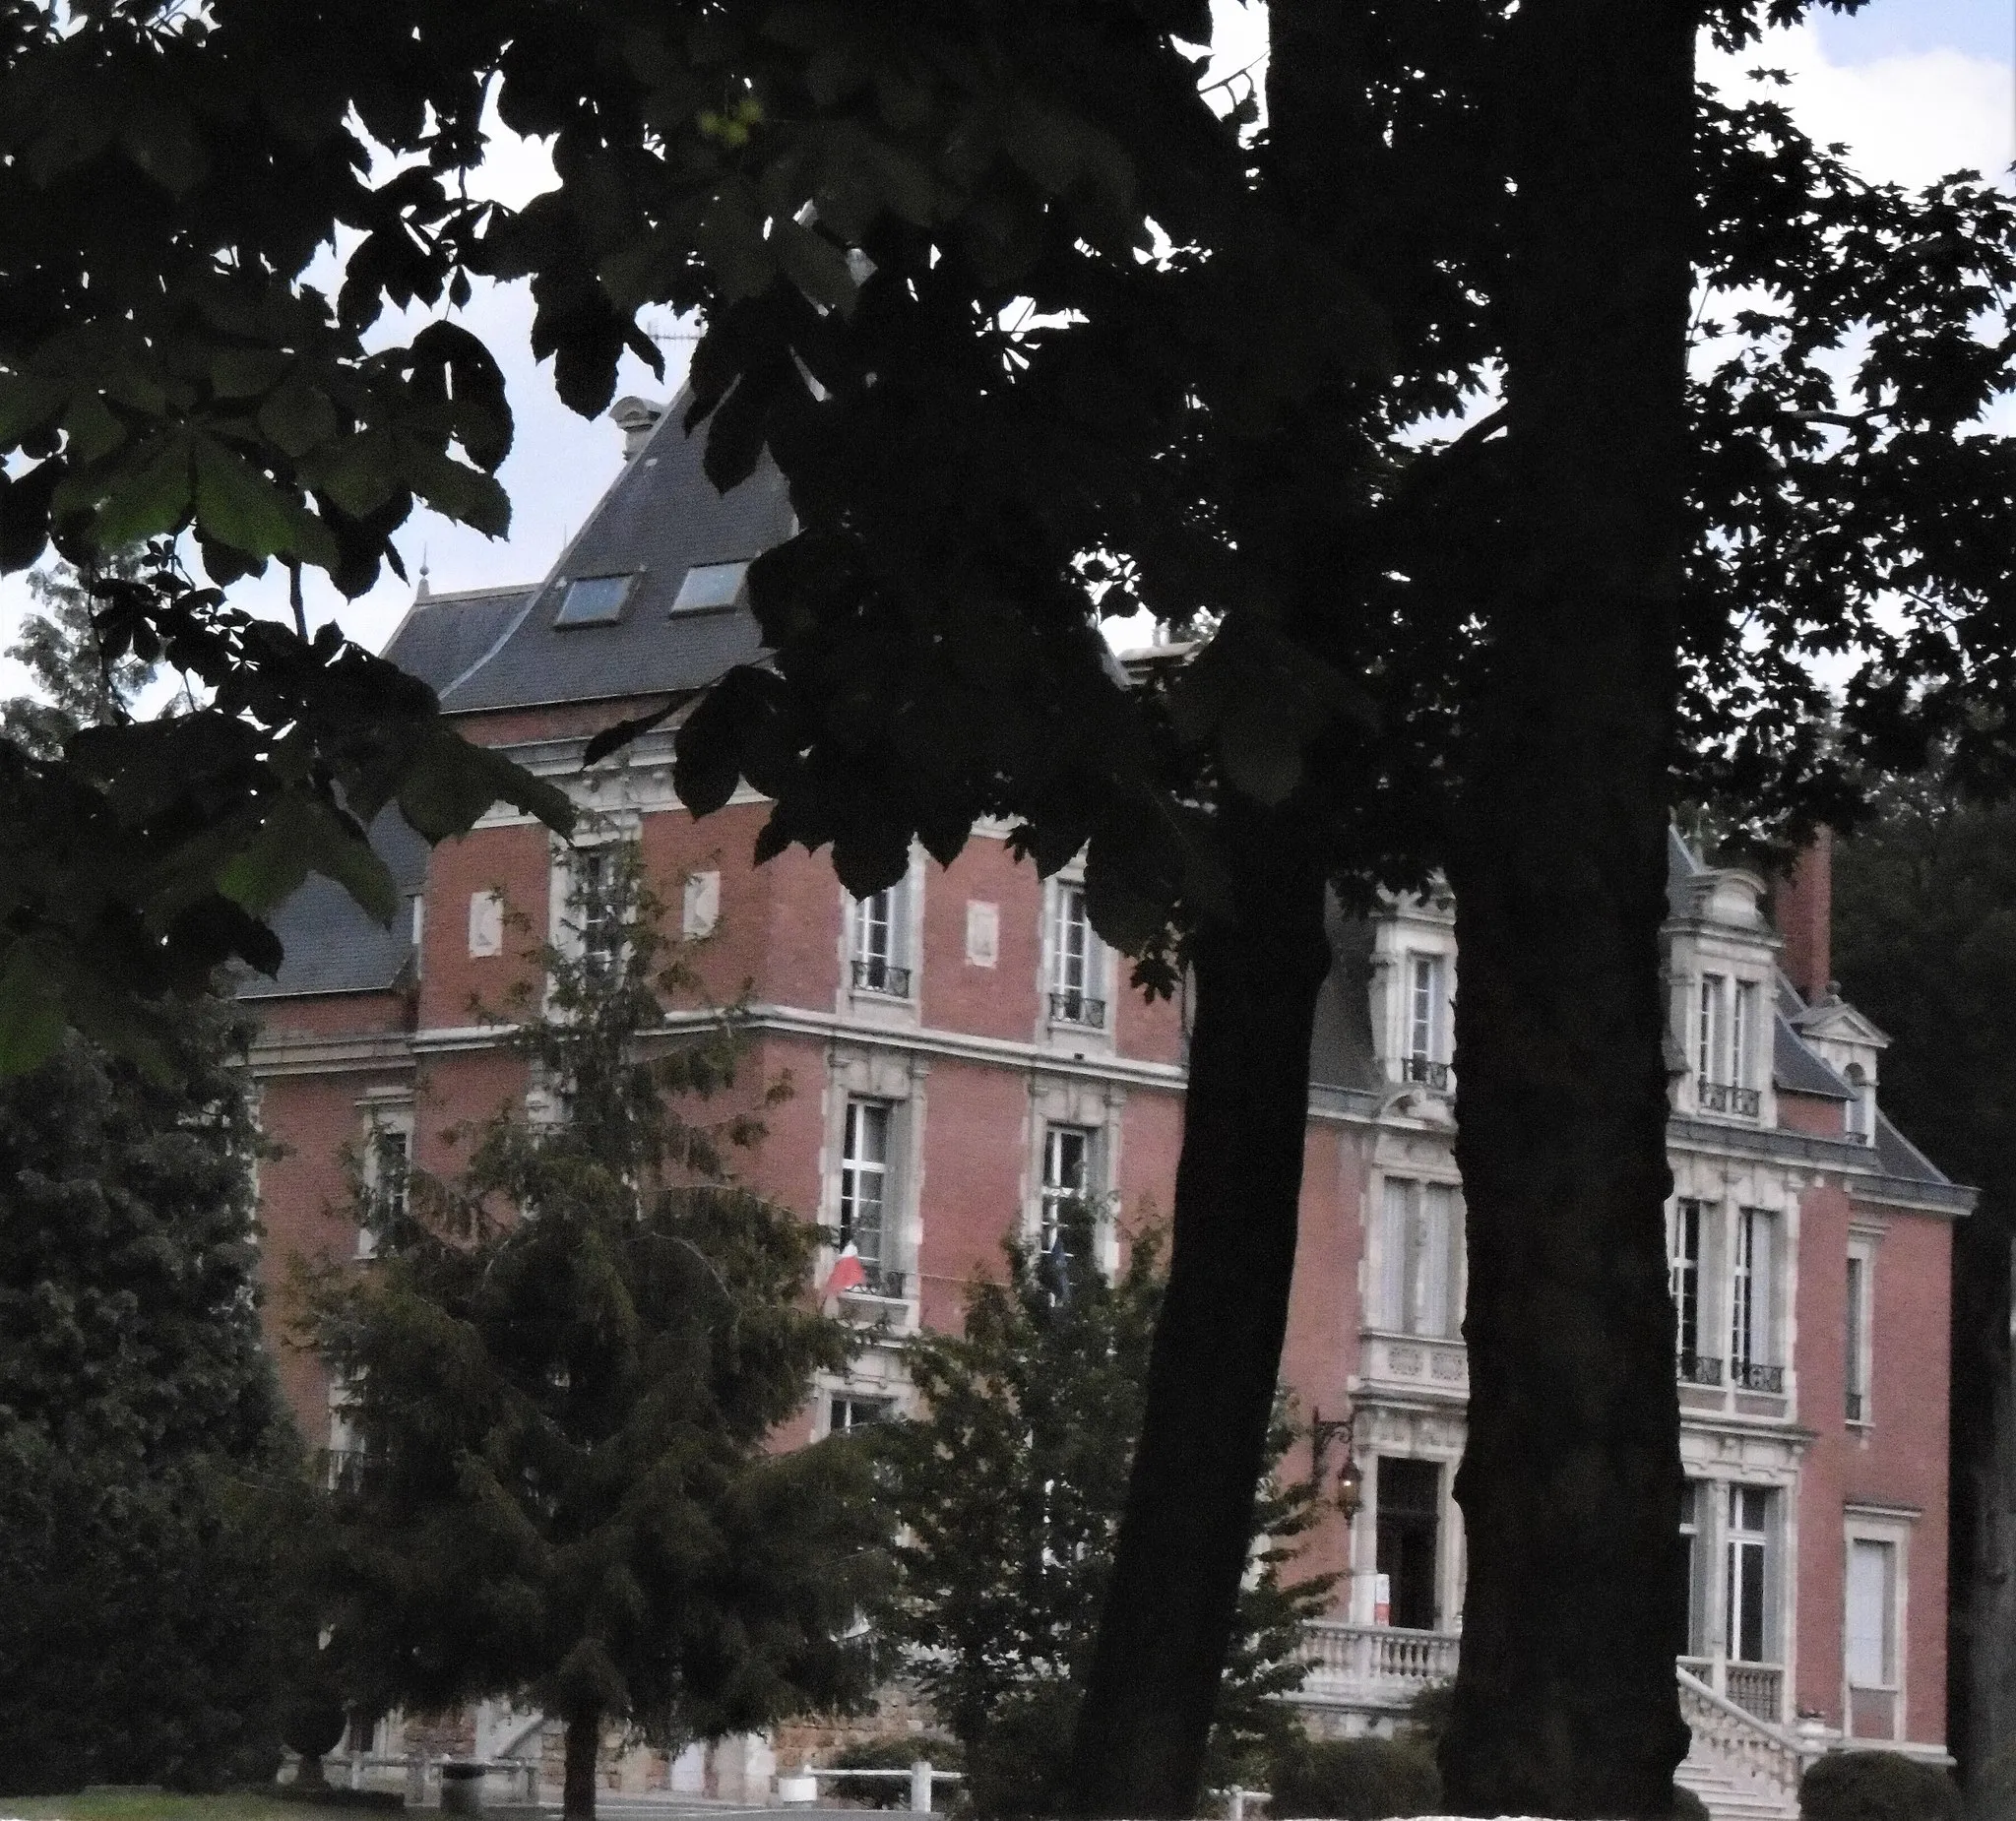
(1010, 1488)
(149, 1614)
(566, 1364)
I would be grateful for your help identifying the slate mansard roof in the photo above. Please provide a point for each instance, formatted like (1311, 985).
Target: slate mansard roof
(660, 520)
(498, 648)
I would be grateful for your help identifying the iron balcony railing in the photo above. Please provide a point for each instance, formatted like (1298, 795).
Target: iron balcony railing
(1428, 1071)
(1754, 1375)
(1697, 1368)
(1720, 1097)
(1072, 1007)
(881, 976)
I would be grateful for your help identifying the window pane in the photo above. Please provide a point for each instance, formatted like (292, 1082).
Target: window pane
(1394, 1222)
(593, 601)
(1870, 1607)
(1435, 1275)
(1744, 1037)
(1708, 1052)
(862, 1178)
(710, 584)
(1853, 1364)
(1073, 940)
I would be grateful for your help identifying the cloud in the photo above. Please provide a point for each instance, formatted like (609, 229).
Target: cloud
(1907, 118)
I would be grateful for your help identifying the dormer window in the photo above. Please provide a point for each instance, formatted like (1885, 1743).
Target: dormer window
(594, 600)
(710, 585)
(1727, 1025)
(1427, 999)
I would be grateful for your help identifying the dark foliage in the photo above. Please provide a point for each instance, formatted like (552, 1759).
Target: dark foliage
(1876, 1786)
(1356, 1780)
(150, 1613)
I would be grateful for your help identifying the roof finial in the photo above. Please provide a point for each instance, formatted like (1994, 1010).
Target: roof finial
(420, 593)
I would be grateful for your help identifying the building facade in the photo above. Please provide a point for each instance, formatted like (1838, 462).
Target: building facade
(963, 1053)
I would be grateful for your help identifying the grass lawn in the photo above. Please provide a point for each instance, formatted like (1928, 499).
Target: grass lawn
(144, 1805)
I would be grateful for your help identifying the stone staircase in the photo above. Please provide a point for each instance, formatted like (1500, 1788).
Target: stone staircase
(1742, 1768)
(1730, 1796)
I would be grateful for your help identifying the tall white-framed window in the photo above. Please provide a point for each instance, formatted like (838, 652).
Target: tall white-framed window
(1872, 1626)
(1427, 1020)
(1855, 1332)
(590, 919)
(879, 952)
(346, 1449)
(1419, 1243)
(1753, 1302)
(1695, 1568)
(865, 1181)
(1749, 1583)
(1068, 1176)
(1685, 1240)
(387, 1167)
(1077, 993)
(1727, 1044)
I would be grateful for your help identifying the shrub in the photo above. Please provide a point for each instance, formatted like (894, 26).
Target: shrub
(1018, 1765)
(1428, 1714)
(1356, 1780)
(1876, 1786)
(1687, 1807)
(897, 1753)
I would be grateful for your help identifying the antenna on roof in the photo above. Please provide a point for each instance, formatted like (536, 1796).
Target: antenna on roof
(420, 593)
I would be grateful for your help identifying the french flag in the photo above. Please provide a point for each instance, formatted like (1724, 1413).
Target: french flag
(848, 1272)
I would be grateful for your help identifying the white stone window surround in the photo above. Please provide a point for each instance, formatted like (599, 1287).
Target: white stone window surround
(1077, 1003)
(1413, 936)
(1405, 1432)
(881, 949)
(1889, 1529)
(1724, 1186)
(1859, 1340)
(1415, 1254)
(1714, 1462)
(387, 1135)
(590, 844)
(1062, 1103)
(866, 1072)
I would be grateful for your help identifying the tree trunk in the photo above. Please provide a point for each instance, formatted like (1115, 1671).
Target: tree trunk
(583, 1745)
(1570, 1486)
(1182, 1547)
(1981, 1672)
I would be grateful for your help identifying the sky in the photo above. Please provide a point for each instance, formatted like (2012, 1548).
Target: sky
(1915, 89)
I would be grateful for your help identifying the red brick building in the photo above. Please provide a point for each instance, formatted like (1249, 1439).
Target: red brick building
(963, 1050)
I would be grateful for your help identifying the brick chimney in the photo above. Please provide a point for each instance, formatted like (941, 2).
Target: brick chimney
(1805, 919)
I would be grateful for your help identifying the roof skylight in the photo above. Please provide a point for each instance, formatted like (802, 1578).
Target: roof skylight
(710, 585)
(594, 600)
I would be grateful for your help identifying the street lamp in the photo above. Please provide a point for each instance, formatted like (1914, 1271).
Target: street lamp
(1350, 1485)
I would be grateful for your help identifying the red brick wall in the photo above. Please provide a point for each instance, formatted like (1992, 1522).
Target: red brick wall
(1898, 1460)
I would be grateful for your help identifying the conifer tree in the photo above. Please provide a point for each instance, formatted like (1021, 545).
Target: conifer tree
(567, 1364)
